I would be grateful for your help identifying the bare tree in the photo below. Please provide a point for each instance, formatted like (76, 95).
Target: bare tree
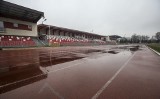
(139, 38)
(158, 36)
(135, 38)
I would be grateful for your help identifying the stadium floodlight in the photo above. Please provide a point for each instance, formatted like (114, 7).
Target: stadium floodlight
(44, 20)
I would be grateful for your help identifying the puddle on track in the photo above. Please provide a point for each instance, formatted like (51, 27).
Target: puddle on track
(26, 66)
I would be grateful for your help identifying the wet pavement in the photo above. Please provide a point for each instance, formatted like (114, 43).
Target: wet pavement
(97, 72)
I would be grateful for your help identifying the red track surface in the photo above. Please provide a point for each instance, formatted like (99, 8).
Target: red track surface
(125, 75)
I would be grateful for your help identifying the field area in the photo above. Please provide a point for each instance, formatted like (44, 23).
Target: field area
(81, 72)
(155, 47)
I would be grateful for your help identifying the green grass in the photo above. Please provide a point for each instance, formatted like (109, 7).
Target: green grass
(155, 46)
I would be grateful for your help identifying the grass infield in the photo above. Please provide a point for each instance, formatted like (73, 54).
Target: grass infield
(155, 46)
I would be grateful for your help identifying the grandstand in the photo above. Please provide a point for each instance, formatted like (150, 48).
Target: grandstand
(18, 28)
(18, 25)
(65, 37)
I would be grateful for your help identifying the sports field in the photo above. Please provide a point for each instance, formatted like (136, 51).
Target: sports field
(88, 72)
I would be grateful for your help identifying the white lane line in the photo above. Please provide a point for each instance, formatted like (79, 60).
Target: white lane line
(65, 67)
(46, 85)
(41, 75)
(21, 80)
(111, 79)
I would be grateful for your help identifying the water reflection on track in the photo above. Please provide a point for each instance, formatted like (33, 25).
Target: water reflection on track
(22, 67)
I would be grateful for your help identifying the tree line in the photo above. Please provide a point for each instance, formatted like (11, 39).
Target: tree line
(141, 39)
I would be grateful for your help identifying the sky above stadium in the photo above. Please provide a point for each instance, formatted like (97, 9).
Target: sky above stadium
(104, 17)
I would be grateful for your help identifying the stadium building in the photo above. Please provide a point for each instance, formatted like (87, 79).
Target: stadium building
(18, 25)
(58, 35)
(18, 28)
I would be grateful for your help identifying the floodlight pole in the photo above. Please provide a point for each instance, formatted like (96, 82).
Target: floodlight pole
(124, 37)
(44, 20)
(49, 34)
(140, 39)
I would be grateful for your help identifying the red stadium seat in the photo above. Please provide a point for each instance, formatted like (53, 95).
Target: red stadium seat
(16, 41)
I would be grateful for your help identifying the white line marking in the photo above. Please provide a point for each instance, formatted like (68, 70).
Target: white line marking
(21, 80)
(111, 79)
(65, 67)
(46, 85)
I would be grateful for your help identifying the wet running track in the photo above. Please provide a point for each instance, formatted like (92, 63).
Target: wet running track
(100, 72)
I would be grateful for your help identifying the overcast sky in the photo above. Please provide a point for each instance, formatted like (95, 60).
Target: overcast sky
(105, 17)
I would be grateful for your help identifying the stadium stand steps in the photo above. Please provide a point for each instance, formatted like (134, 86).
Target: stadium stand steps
(45, 43)
(38, 42)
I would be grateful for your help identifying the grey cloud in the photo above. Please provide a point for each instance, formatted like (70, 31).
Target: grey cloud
(103, 16)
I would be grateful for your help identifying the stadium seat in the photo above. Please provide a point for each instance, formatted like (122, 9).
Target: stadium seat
(66, 40)
(16, 41)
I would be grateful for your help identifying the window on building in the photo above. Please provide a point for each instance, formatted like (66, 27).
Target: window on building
(29, 27)
(15, 25)
(2, 27)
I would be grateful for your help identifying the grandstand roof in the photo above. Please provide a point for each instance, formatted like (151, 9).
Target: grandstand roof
(40, 26)
(14, 11)
(114, 37)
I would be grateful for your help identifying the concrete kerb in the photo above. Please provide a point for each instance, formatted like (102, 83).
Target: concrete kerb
(153, 50)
